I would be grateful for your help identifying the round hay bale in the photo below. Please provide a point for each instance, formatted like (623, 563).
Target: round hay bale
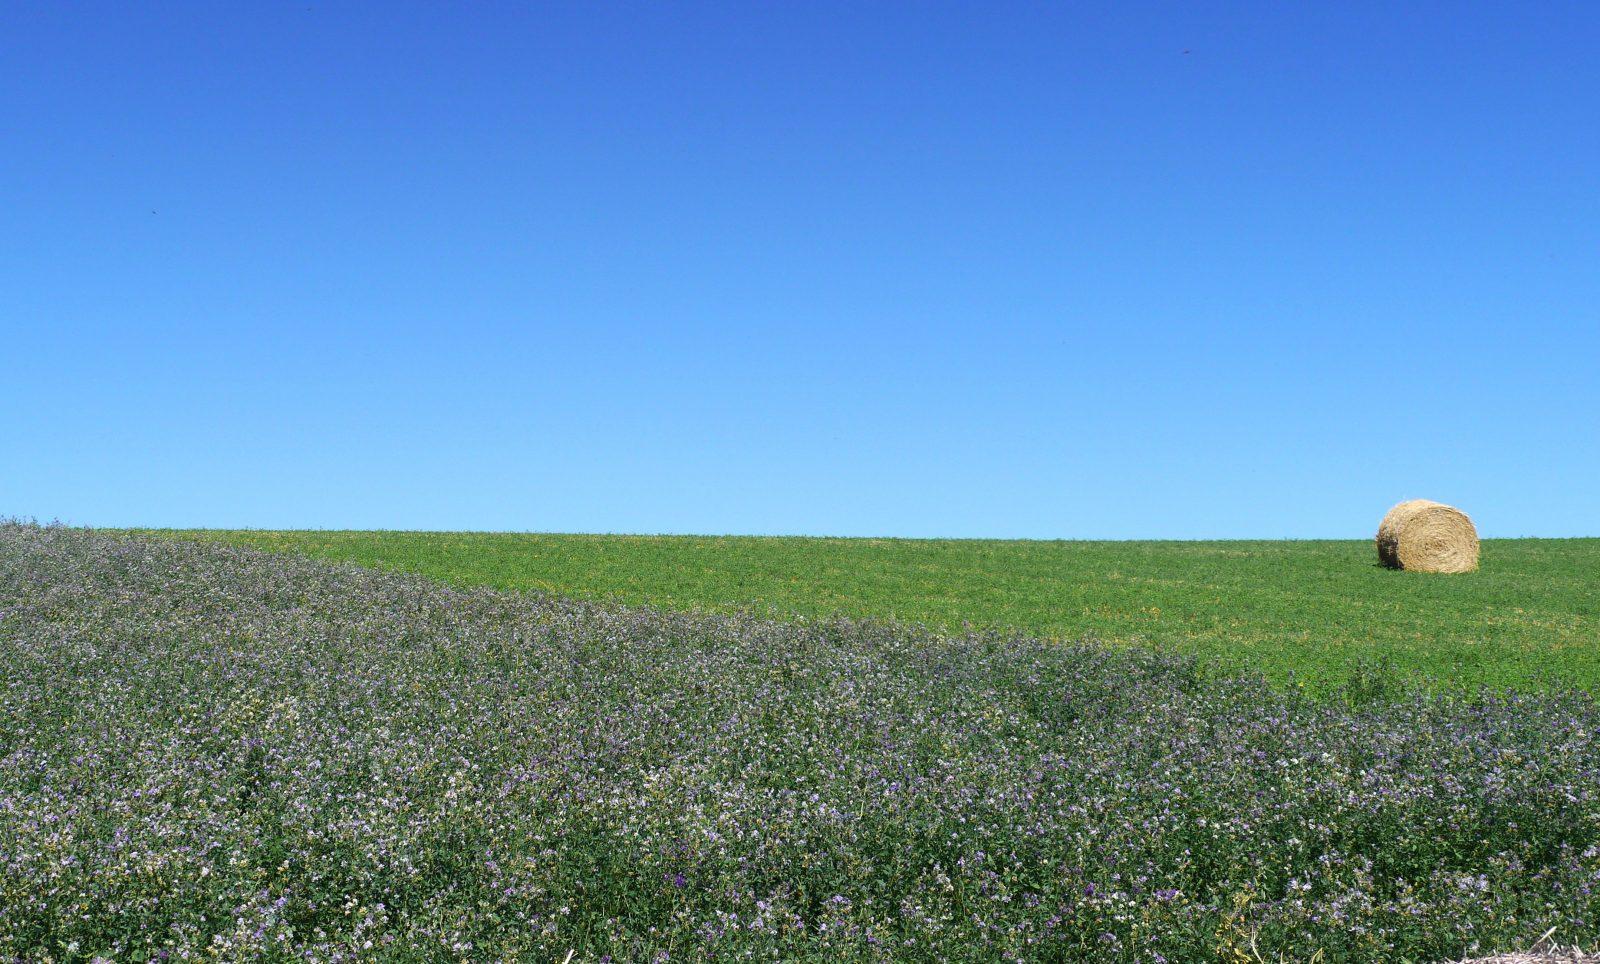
(1425, 536)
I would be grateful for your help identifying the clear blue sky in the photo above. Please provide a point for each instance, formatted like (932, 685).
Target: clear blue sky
(1140, 270)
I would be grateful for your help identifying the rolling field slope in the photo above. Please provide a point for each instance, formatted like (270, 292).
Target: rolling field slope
(209, 752)
(1310, 611)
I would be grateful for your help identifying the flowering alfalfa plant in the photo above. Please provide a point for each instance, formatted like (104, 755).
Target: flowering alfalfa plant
(212, 752)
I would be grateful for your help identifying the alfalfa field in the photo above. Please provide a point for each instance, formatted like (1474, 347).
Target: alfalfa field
(1312, 613)
(213, 752)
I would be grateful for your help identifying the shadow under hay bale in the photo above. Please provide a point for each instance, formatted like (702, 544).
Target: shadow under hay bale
(1424, 536)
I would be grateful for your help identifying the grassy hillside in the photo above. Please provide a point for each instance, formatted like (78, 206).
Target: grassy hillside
(1529, 618)
(217, 754)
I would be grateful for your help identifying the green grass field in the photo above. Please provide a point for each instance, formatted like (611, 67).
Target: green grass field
(1313, 611)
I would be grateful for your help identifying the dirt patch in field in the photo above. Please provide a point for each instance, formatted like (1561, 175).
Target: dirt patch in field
(1551, 956)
